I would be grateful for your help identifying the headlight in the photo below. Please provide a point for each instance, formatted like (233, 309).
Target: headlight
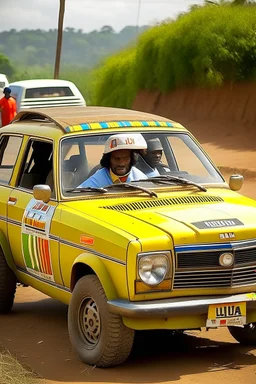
(226, 259)
(153, 268)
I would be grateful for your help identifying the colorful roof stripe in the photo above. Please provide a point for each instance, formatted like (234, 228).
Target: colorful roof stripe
(117, 124)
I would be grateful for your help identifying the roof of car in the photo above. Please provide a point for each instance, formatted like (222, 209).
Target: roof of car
(74, 119)
(40, 83)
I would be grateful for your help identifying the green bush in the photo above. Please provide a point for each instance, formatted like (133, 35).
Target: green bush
(206, 47)
(5, 66)
(113, 82)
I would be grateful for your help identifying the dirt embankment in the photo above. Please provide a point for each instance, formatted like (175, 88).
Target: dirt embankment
(222, 119)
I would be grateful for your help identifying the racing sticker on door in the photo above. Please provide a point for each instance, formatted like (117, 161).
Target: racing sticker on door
(35, 238)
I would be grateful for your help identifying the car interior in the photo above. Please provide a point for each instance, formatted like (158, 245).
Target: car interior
(37, 165)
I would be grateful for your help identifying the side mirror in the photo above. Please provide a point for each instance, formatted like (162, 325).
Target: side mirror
(236, 182)
(42, 192)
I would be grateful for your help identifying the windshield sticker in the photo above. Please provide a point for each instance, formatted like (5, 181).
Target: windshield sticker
(217, 223)
(118, 124)
(35, 238)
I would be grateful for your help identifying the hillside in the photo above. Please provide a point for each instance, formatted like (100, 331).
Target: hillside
(38, 47)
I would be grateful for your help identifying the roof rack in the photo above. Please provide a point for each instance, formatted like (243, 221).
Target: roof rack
(84, 118)
(35, 115)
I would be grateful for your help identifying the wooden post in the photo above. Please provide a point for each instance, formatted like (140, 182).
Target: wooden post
(59, 39)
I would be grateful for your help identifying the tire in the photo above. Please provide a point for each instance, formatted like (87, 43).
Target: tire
(244, 335)
(7, 285)
(98, 336)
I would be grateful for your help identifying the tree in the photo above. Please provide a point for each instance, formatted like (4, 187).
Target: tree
(5, 65)
(233, 2)
(59, 39)
(107, 29)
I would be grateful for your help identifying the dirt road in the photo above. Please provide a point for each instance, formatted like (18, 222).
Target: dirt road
(36, 332)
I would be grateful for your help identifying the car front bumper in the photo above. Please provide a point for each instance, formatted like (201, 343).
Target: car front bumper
(184, 306)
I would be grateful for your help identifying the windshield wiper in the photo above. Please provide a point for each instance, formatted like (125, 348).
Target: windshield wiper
(131, 186)
(87, 189)
(163, 179)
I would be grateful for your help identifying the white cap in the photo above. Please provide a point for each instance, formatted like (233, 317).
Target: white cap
(125, 141)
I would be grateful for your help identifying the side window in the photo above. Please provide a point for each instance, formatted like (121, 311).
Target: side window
(9, 150)
(38, 166)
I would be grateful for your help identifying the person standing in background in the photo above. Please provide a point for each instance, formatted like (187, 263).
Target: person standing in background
(7, 106)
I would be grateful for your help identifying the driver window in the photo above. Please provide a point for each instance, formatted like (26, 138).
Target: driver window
(37, 166)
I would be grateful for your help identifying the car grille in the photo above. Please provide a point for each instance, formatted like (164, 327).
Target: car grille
(211, 258)
(202, 269)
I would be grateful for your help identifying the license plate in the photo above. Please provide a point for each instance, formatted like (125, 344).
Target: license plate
(223, 315)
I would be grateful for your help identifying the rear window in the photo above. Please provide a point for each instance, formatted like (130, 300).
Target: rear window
(42, 92)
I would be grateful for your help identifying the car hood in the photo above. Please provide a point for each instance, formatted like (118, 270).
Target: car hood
(185, 223)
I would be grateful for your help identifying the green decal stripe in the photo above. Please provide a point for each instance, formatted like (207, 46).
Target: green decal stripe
(26, 253)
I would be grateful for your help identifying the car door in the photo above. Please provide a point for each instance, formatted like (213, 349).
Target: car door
(30, 221)
(9, 152)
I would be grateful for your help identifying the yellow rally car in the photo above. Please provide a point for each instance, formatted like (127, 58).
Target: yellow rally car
(166, 244)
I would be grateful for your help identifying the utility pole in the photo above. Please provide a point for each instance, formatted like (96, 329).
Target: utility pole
(59, 39)
(138, 17)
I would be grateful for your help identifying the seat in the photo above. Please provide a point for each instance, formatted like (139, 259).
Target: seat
(75, 170)
(28, 180)
(93, 170)
(39, 165)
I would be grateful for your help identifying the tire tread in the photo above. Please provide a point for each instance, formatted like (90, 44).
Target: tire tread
(121, 341)
(116, 340)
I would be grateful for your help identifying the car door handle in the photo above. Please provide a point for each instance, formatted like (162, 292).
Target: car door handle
(12, 201)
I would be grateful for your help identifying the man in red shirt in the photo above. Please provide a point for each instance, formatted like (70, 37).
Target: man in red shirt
(7, 107)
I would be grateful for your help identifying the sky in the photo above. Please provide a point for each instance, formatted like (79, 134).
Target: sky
(88, 15)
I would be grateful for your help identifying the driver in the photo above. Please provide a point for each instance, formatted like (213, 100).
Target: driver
(118, 161)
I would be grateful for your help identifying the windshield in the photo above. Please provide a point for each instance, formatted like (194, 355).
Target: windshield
(172, 155)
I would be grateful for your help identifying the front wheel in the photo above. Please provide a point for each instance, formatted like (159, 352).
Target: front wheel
(98, 336)
(244, 335)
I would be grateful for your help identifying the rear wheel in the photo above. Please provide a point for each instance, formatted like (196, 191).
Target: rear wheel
(244, 335)
(98, 336)
(7, 285)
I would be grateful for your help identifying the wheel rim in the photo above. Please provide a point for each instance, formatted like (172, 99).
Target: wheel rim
(89, 321)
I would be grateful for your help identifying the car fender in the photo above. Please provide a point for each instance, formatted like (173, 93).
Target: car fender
(7, 251)
(97, 266)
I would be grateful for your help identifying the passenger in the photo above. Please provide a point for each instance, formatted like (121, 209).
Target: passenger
(7, 107)
(149, 161)
(118, 160)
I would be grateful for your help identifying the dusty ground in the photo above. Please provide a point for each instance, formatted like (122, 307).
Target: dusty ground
(36, 331)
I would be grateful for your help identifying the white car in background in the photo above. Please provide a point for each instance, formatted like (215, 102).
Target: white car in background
(45, 93)
(3, 81)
